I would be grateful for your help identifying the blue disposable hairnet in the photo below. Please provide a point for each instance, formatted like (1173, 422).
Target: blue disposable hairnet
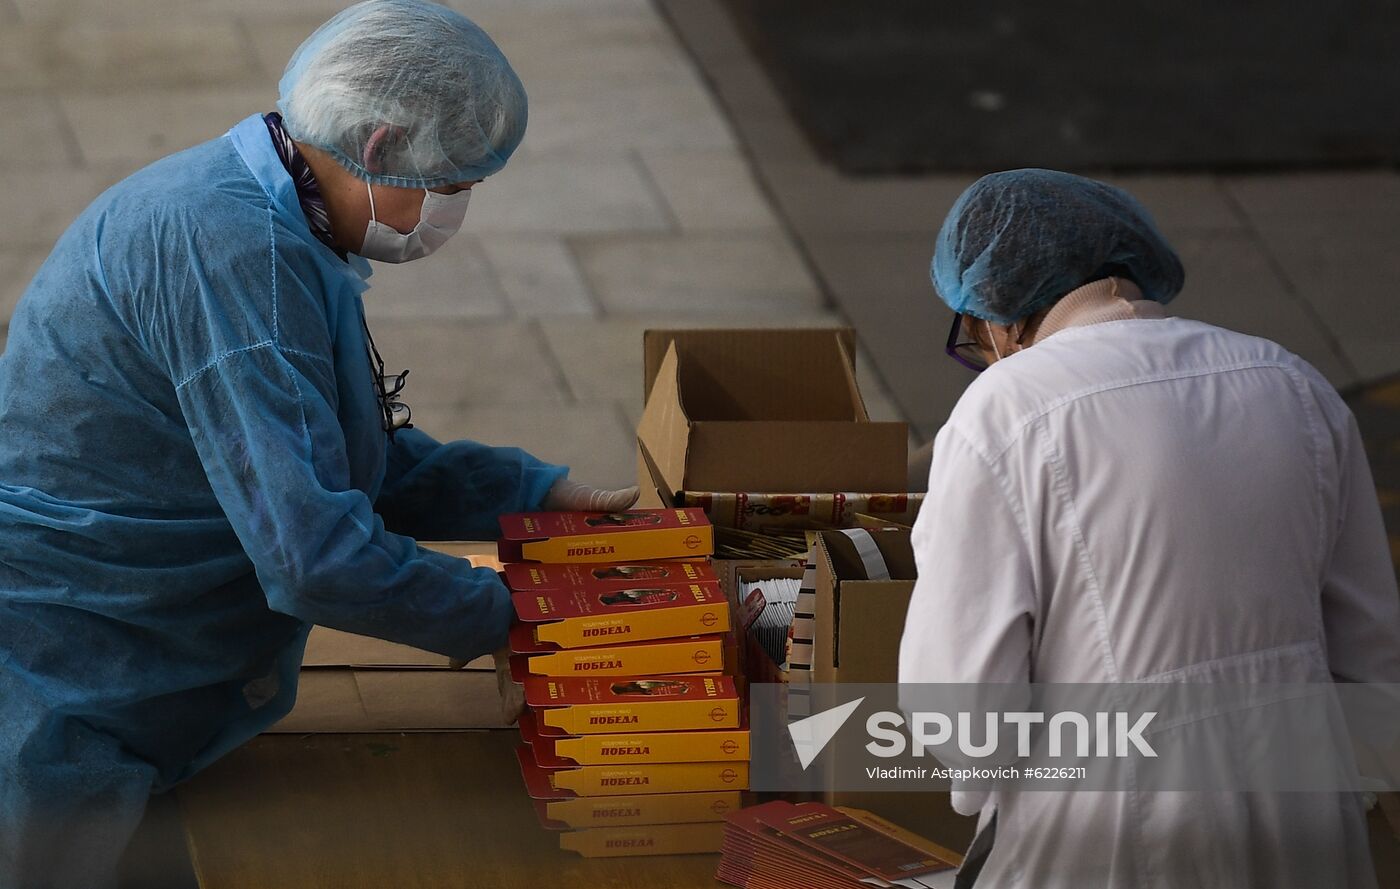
(454, 107)
(1017, 241)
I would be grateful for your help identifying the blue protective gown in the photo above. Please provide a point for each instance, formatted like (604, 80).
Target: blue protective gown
(193, 470)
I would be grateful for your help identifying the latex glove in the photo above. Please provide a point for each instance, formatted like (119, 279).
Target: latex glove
(512, 692)
(571, 496)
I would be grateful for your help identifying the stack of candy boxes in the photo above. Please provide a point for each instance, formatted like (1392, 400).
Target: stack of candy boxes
(634, 741)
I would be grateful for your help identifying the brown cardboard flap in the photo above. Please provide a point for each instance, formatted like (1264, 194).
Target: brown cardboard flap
(761, 410)
(781, 456)
(333, 648)
(759, 374)
(848, 364)
(663, 434)
(869, 629)
(339, 700)
(430, 700)
(860, 622)
(327, 701)
(895, 546)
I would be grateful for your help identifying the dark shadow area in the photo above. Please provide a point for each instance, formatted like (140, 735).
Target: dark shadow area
(924, 85)
(157, 857)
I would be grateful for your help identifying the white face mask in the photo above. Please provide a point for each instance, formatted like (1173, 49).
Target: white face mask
(440, 219)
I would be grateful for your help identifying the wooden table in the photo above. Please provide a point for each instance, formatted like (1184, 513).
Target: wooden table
(409, 811)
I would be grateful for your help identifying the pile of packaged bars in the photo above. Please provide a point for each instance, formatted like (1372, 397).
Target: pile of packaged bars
(634, 740)
(783, 845)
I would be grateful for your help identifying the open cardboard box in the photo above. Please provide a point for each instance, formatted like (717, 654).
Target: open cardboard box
(760, 410)
(860, 623)
(352, 683)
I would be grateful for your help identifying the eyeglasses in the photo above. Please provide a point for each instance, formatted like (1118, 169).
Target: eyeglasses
(964, 351)
(387, 388)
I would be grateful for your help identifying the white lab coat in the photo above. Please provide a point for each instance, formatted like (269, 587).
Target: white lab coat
(1128, 499)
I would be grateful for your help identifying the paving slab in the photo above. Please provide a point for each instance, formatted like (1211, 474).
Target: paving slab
(709, 190)
(630, 115)
(166, 11)
(538, 275)
(1232, 282)
(722, 274)
(881, 282)
(602, 357)
(817, 201)
(43, 126)
(273, 39)
(594, 439)
(456, 283)
(17, 268)
(116, 58)
(460, 363)
(1357, 200)
(1183, 203)
(1351, 283)
(577, 51)
(41, 202)
(569, 192)
(107, 131)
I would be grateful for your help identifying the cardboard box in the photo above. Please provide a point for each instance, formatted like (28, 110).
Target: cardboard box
(575, 619)
(382, 700)
(695, 654)
(630, 811)
(661, 839)
(760, 410)
(630, 779)
(588, 537)
(859, 625)
(713, 745)
(859, 621)
(586, 706)
(525, 577)
(335, 648)
(754, 664)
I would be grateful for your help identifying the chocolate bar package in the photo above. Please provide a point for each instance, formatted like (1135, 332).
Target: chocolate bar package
(587, 537)
(606, 577)
(659, 839)
(630, 811)
(693, 654)
(622, 780)
(710, 745)
(610, 705)
(580, 617)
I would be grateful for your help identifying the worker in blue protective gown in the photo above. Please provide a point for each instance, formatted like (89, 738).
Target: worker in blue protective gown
(200, 456)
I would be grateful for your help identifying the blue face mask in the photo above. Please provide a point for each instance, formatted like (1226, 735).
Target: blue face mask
(440, 219)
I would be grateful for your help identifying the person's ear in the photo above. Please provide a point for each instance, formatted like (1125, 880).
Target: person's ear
(384, 137)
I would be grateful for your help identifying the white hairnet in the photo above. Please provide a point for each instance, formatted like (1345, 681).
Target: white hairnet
(405, 93)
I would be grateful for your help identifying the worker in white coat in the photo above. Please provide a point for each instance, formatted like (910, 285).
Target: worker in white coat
(1127, 497)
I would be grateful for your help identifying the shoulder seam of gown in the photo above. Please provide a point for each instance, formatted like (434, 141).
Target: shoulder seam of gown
(286, 350)
(191, 377)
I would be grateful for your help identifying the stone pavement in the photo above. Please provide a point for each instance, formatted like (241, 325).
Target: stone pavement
(661, 182)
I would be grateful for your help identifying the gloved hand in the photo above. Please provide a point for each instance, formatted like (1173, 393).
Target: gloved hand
(512, 692)
(571, 496)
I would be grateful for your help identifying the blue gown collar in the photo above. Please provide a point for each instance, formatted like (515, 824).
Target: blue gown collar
(250, 138)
